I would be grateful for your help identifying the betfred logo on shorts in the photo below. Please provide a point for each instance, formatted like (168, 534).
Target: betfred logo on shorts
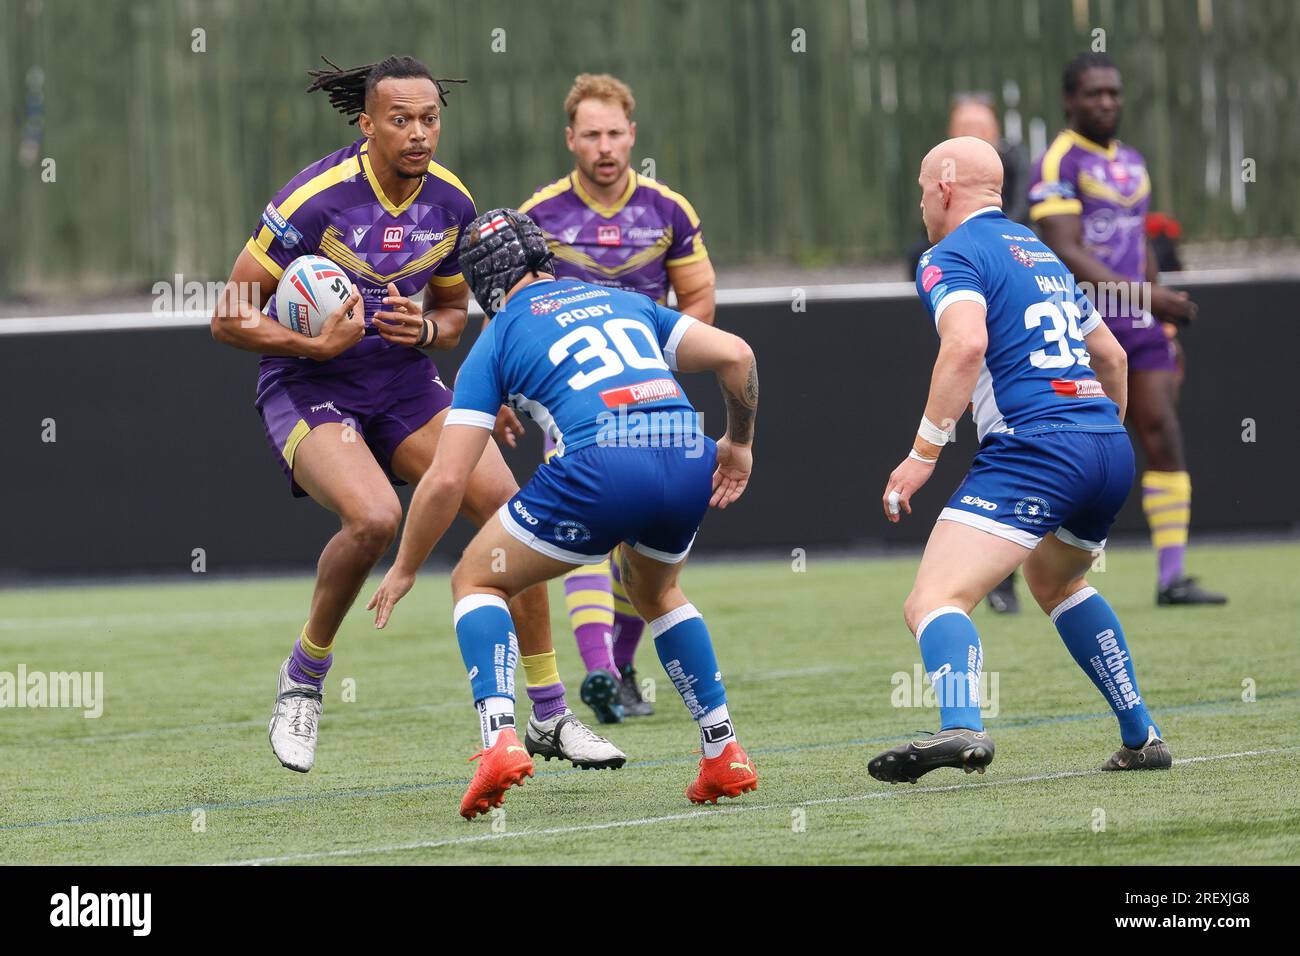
(655, 390)
(392, 238)
(978, 502)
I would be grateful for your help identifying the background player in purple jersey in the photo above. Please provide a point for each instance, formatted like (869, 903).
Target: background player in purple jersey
(609, 225)
(390, 216)
(1089, 197)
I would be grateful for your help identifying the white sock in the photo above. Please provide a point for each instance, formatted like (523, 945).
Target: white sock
(716, 731)
(494, 713)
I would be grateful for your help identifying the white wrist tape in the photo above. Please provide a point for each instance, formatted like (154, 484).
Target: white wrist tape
(917, 456)
(932, 432)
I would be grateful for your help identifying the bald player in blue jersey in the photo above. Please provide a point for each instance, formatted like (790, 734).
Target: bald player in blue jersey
(361, 406)
(1048, 384)
(594, 367)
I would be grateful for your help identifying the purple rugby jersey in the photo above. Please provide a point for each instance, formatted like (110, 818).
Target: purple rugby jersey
(1108, 188)
(628, 245)
(335, 208)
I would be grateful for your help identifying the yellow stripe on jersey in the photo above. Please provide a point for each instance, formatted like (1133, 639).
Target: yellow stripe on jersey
(1057, 205)
(333, 247)
(1110, 151)
(648, 254)
(697, 254)
(676, 197)
(596, 205)
(547, 192)
(265, 261)
(1095, 187)
(295, 438)
(393, 209)
(446, 282)
(317, 184)
(447, 176)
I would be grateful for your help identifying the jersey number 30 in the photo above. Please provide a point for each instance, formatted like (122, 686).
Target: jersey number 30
(1062, 332)
(597, 347)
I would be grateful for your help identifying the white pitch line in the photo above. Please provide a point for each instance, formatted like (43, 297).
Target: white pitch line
(676, 817)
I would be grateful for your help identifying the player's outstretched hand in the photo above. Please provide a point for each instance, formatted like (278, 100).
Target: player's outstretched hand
(395, 586)
(402, 321)
(735, 462)
(508, 429)
(905, 481)
(345, 327)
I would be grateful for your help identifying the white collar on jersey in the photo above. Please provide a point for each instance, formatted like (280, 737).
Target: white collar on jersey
(980, 212)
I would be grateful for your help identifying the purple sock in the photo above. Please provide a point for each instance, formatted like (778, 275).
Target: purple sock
(628, 629)
(594, 645)
(548, 700)
(305, 669)
(1171, 563)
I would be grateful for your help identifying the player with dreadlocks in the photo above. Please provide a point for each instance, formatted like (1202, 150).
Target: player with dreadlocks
(391, 217)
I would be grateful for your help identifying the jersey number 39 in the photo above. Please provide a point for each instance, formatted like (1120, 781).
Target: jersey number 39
(597, 347)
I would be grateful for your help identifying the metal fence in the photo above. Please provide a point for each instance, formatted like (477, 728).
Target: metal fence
(795, 128)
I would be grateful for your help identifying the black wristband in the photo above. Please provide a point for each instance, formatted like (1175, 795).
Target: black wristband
(428, 335)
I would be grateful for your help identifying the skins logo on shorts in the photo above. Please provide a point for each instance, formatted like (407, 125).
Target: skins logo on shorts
(571, 532)
(1032, 510)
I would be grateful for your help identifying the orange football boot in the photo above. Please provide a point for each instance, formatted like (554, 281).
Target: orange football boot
(729, 774)
(504, 765)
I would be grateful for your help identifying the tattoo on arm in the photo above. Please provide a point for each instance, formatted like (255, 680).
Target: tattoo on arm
(742, 408)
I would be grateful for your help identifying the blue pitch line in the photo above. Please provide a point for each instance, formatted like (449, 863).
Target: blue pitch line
(667, 761)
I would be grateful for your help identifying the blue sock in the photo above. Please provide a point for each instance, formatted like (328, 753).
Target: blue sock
(487, 645)
(951, 651)
(682, 642)
(1095, 640)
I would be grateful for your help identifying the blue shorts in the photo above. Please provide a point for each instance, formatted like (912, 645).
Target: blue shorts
(1020, 487)
(577, 507)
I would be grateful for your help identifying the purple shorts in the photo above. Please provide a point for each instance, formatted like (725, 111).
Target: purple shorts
(384, 402)
(1145, 343)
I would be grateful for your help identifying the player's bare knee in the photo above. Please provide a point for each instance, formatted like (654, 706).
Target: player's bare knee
(373, 530)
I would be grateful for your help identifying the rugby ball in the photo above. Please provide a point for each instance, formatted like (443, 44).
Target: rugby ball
(310, 290)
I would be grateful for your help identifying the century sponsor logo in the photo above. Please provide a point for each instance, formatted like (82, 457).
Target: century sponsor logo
(76, 909)
(73, 690)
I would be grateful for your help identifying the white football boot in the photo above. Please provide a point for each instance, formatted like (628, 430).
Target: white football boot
(568, 738)
(294, 722)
